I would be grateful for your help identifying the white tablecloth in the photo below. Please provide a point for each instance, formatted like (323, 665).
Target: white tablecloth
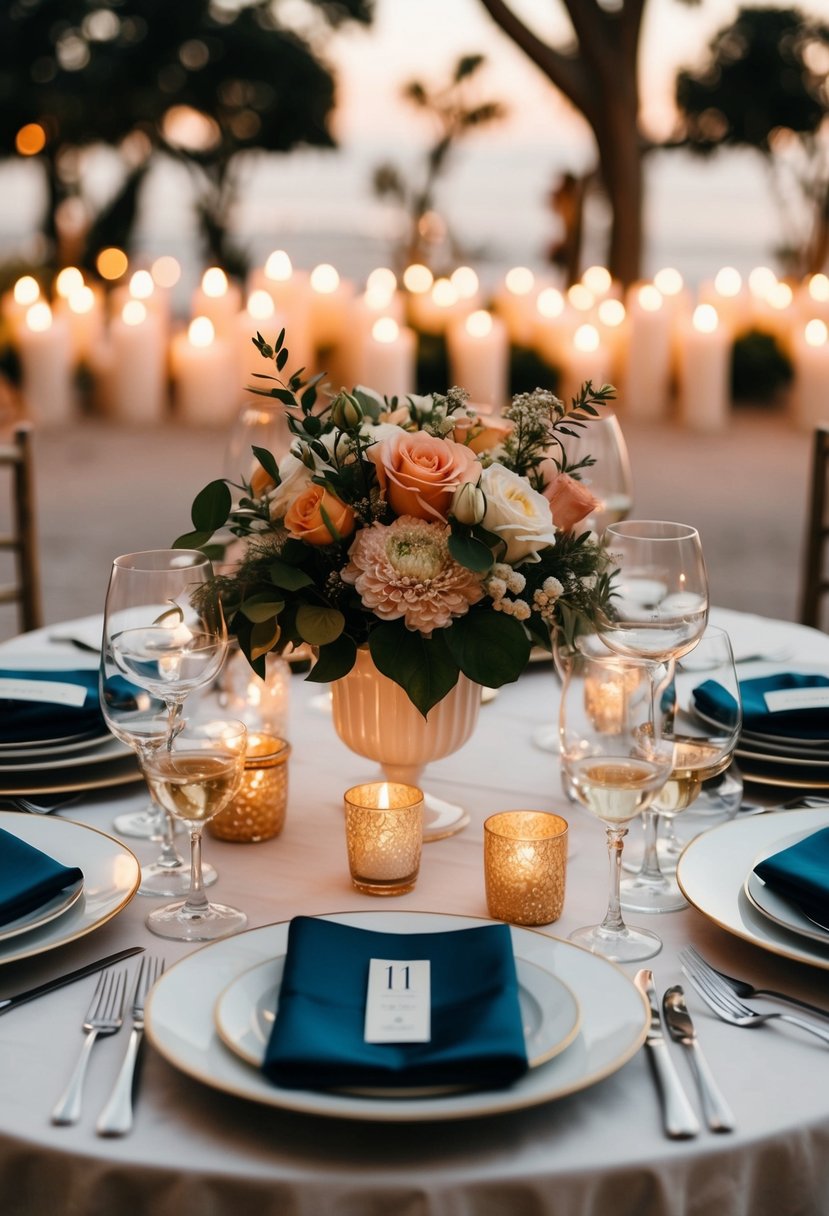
(601, 1152)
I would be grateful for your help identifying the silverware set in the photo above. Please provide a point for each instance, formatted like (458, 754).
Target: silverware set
(104, 1017)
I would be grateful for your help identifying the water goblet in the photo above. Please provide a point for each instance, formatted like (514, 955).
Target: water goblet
(616, 761)
(194, 777)
(703, 748)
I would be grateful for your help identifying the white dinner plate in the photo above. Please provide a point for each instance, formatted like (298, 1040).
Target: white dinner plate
(111, 875)
(180, 1023)
(108, 748)
(774, 906)
(53, 908)
(246, 1010)
(711, 874)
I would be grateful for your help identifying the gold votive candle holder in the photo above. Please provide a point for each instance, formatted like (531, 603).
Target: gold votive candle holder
(384, 836)
(258, 811)
(525, 866)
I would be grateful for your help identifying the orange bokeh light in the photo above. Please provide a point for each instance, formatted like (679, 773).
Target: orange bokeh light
(111, 263)
(30, 139)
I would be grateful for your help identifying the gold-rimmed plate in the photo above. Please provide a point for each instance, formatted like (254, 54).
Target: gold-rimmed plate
(180, 1024)
(111, 875)
(122, 771)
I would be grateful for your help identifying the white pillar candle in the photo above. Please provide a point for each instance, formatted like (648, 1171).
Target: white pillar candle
(431, 312)
(812, 298)
(45, 347)
(646, 379)
(515, 301)
(478, 350)
(586, 358)
(218, 299)
(331, 298)
(142, 286)
(729, 295)
(138, 388)
(612, 324)
(291, 293)
(704, 371)
(554, 324)
(467, 285)
(17, 302)
(599, 282)
(774, 314)
(810, 391)
(205, 367)
(388, 359)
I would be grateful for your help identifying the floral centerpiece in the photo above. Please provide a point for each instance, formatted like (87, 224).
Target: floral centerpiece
(443, 540)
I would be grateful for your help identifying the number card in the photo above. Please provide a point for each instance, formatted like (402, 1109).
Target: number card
(398, 1001)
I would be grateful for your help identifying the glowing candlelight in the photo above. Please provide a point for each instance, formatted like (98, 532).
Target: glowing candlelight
(648, 361)
(704, 371)
(44, 345)
(478, 350)
(811, 373)
(387, 358)
(205, 374)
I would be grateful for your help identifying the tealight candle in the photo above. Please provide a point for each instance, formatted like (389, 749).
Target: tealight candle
(384, 836)
(648, 359)
(44, 343)
(219, 299)
(204, 368)
(525, 866)
(704, 371)
(257, 812)
(811, 374)
(137, 389)
(478, 350)
(388, 357)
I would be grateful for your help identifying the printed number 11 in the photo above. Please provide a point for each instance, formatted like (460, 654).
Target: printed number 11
(390, 973)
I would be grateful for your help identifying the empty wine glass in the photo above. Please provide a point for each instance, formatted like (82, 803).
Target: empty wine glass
(705, 682)
(616, 760)
(195, 777)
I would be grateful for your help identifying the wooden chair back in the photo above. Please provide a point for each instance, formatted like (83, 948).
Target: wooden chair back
(815, 581)
(21, 540)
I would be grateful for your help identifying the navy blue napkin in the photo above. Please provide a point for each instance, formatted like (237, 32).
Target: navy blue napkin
(35, 721)
(800, 874)
(28, 878)
(317, 1040)
(712, 700)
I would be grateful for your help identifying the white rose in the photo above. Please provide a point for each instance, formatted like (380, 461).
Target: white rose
(517, 513)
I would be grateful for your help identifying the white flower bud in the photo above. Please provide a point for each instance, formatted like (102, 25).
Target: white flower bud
(468, 504)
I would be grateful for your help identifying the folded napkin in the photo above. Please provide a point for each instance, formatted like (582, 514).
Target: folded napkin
(28, 878)
(792, 721)
(23, 719)
(800, 874)
(317, 1041)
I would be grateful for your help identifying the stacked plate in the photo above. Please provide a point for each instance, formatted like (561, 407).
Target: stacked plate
(64, 763)
(796, 763)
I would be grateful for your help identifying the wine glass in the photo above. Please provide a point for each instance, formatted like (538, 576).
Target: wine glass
(143, 587)
(703, 748)
(610, 480)
(194, 777)
(616, 761)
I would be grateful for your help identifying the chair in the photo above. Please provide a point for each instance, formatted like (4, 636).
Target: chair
(815, 581)
(21, 540)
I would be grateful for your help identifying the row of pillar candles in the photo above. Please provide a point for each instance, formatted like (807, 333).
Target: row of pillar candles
(647, 340)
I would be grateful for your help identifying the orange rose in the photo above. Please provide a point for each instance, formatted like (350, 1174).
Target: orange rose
(481, 434)
(304, 518)
(570, 500)
(419, 473)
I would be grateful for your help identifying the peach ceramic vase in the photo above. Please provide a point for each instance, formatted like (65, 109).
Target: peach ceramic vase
(374, 717)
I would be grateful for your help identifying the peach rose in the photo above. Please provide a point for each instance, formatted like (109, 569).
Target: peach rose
(419, 473)
(482, 433)
(570, 500)
(304, 518)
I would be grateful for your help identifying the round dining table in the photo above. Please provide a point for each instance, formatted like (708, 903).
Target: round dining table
(198, 1149)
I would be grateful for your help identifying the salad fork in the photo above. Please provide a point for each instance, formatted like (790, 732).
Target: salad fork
(727, 1006)
(103, 1017)
(743, 988)
(116, 1117)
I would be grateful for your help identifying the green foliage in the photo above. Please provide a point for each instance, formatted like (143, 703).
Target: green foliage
(422, 666)
(759, 368)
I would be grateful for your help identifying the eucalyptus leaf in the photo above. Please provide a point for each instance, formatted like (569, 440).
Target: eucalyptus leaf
(490, 648)
(192, 540)
(470, 552)
(211, 507)
(319, 625)
(423, 667)
(261, 607)
(288, 577)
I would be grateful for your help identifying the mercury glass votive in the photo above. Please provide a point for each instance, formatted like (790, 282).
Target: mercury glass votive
(525, 865)
(384, 835)
(258, 811)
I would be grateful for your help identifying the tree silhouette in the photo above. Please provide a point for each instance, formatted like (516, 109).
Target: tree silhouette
(187, 78)
(766, 86)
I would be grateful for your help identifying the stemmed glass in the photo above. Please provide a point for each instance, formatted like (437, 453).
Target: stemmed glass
(610, 480)
(616, 761)
(703, 747)
(195, 777)
(163, 636)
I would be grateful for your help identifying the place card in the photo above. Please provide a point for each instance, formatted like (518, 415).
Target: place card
(51, 692)
(782, 699)
(398, 1001)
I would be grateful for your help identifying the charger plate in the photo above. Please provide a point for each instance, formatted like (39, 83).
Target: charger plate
(111, 875)
(180, 1024)
(712, 871)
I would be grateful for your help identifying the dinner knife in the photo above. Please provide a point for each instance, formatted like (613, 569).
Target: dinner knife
(681, 1029)
(678, 1116)
(10, 1002)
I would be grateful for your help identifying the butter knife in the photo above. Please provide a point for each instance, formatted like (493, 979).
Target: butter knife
(681, 1029)
(31, 994)
(678, 1116)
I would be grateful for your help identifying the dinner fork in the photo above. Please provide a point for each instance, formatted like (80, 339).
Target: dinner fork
(116, 1117)
(743, 988)
(727, 1006)
(103, 1017)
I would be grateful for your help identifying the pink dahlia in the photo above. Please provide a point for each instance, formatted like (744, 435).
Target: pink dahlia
(404, 569)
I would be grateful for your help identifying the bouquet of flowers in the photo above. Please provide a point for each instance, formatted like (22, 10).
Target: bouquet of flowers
(444, 540)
